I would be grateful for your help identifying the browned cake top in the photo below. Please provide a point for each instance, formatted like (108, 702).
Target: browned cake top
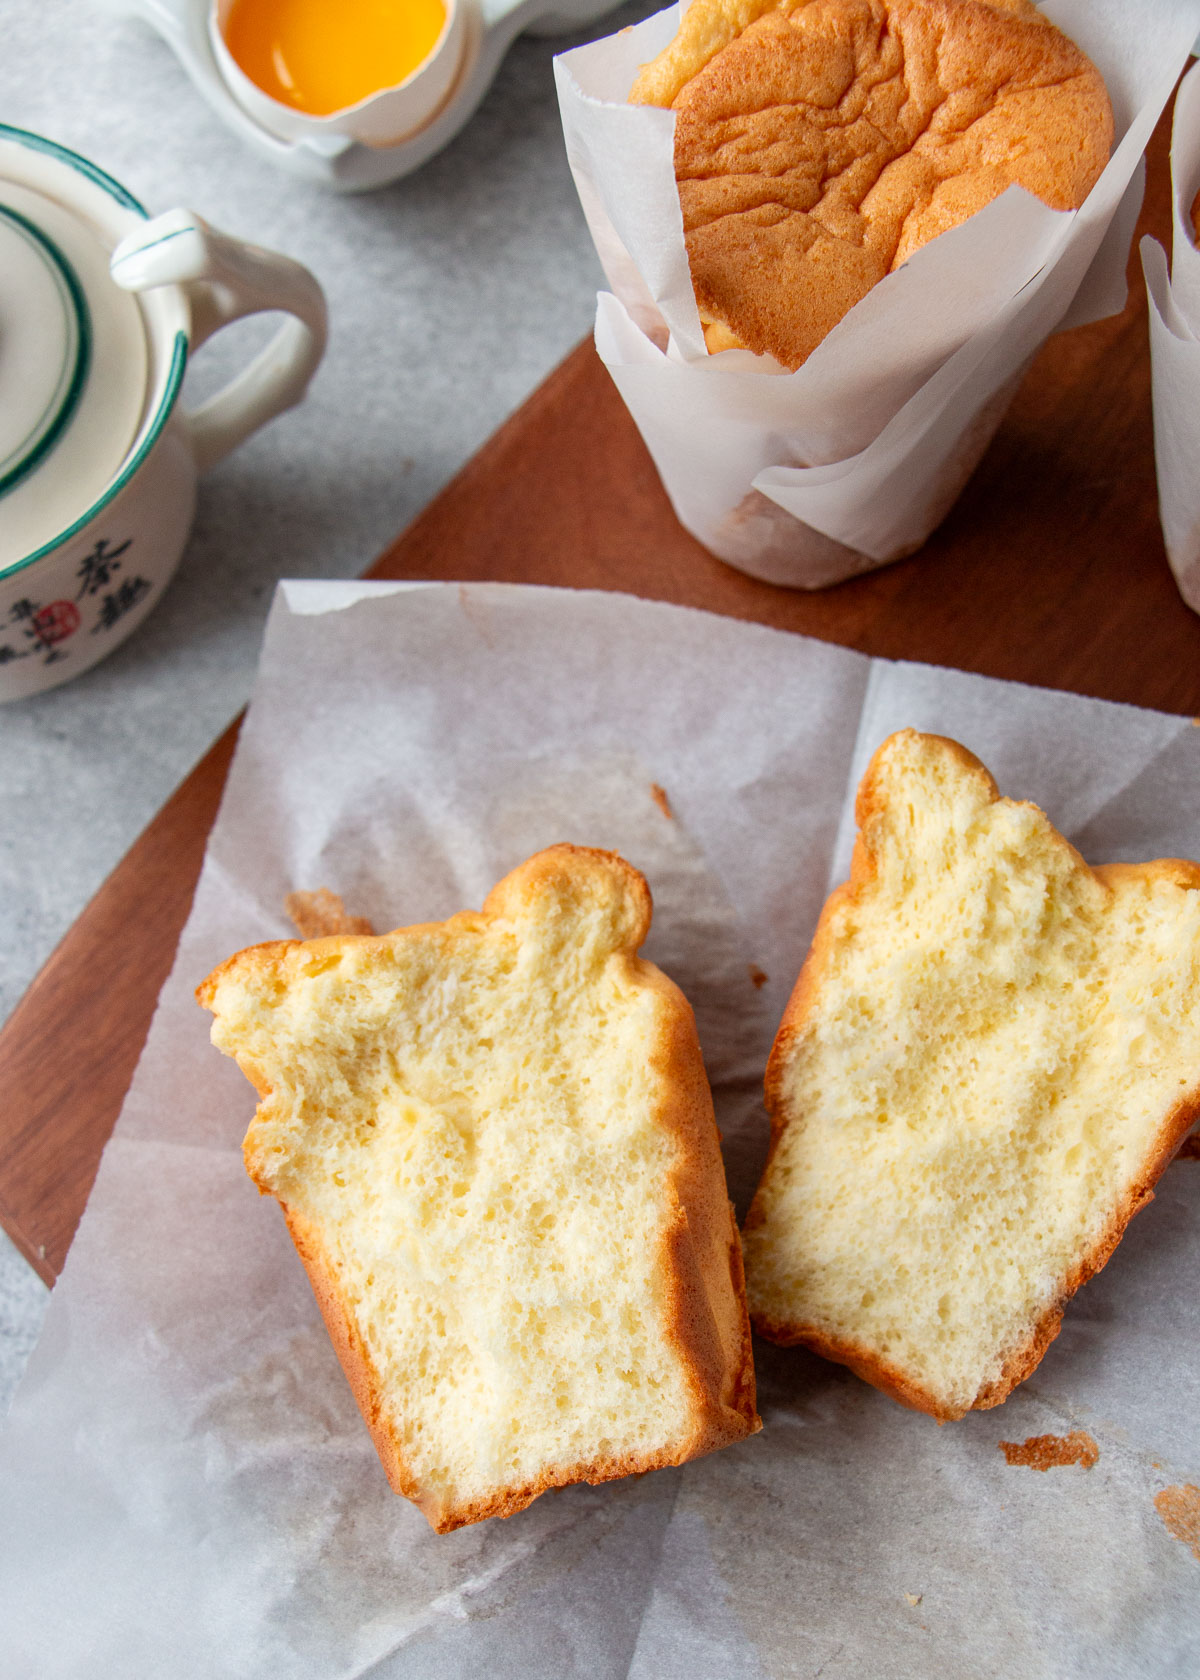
(819, 143)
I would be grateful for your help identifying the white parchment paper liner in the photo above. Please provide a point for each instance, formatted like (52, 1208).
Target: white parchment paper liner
(805, 478)
(1175, 350)
(187, 1491)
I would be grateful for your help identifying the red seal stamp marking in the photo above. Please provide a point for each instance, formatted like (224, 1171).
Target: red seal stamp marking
(54, 623)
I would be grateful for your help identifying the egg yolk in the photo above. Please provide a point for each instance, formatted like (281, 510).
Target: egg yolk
(319, 56)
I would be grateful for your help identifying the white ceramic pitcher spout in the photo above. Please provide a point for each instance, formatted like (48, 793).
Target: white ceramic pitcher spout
(223, 280)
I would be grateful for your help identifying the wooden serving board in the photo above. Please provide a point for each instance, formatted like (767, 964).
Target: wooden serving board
(1049, 570)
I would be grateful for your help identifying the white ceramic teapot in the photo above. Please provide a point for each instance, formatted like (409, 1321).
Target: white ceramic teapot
(99, 309)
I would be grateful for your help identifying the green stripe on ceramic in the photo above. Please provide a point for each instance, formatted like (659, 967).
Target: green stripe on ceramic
(154, 427)
(150, 437)
(46, 428)
(39, 143)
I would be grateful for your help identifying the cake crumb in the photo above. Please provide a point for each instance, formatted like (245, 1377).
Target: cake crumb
(659, 796)
(317, 915)
(1179, 1508)
(914, 1598)
(1048, 1452)
(758, 977)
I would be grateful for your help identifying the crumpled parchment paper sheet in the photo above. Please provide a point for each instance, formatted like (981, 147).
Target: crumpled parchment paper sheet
(186, 1487)
(1175, 350)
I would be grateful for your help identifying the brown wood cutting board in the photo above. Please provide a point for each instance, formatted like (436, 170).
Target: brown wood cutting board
(1049, 570)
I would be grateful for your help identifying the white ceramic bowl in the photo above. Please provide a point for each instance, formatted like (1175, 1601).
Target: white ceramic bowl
(320, 152)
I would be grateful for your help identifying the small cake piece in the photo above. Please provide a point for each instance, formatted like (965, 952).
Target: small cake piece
(316, 915)
(493, 1142)
(989, 1057)
(819, 143)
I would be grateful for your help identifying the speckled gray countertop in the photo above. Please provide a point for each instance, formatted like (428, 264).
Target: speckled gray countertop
(452, 294)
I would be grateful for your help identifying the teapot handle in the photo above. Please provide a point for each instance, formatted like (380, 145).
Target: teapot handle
(225, 279)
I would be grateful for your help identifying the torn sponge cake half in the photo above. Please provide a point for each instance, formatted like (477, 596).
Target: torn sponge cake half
(493, 1142)
(989, 1057)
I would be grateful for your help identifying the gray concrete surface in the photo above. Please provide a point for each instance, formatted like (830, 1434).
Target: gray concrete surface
(452, 294)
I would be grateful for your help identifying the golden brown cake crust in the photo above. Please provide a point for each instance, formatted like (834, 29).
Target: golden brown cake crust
(317, 914)
(705, 1317)
(1023, 1358)
(819, 143)
(717, 1425)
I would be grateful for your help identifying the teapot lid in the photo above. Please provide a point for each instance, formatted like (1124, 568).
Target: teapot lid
(45, 344)
(74, 368)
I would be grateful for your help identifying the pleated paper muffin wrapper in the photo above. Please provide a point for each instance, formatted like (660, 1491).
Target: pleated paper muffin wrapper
(1175, 350)
(806, 478)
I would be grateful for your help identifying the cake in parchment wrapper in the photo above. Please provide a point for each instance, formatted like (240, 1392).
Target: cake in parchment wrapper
(850, 461)
(1175, 350)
